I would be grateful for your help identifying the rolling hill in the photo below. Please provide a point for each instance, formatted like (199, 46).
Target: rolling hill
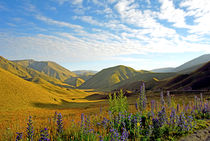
(18, 93)
(187, 67)
(197, 80)
(109, 77)
(51, 69)
(33, 75)
(115, 77)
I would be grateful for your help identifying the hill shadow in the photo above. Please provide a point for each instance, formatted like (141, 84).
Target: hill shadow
(65, 105)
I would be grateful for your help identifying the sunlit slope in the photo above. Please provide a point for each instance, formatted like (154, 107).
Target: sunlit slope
(51, 69)
(109, 77)
(116, 77)
(28, 73)
(199, 79)
(17, 93)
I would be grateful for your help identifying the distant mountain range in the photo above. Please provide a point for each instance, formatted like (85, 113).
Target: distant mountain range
(187, 67)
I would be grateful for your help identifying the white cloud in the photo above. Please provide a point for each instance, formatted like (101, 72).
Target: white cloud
(200, 10)
(89, 20)
(58, 23)
(172, 14)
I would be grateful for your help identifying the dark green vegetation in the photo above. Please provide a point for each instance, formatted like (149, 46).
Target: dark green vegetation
(187, 67)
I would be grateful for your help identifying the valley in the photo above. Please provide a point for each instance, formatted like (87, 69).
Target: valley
(40, 88)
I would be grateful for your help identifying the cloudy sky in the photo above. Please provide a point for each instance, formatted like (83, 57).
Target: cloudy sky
(95, 34)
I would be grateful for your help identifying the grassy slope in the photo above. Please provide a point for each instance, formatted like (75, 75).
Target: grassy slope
(109, 77)
(199, 79)
(115, 77)
(51, 69)
(18, 93)
(49, 83)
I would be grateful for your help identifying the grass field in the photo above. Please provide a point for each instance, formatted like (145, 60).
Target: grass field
(12, 121)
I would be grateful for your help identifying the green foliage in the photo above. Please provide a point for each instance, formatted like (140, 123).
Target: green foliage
(118, 103)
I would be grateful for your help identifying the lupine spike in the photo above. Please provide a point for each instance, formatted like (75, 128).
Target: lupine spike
(59, 124)
(44, 135)
(19, 136)
(30, 129)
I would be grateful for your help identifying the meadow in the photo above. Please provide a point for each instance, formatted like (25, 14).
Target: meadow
(142, 116)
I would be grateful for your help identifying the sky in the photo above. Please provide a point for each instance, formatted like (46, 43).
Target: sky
(97, 34)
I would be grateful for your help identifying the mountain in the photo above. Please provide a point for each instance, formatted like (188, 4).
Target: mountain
(199, 60)
(115, 77)
(197, 80)
(85, 74)
(187, 67)
(51, 69)
(16, 92)
(31, 74)
(108, 77)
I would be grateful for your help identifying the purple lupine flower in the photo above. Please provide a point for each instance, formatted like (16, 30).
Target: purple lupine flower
(44, 135)
(181, 122)
(82, 119)
(124, 136)
(142, 98)
(100, 138)
(186, 108)
(156, 123)
(152, 107)
(104, 122)
(114, 134)
(199, 104)
(19, 136)
(189, 122)
(59, 124)
(177, 108)
(162, 116)
(30, 130)
(201, 98)
(162, 99)
(172, 117)
(205, 109)
(136, 106)
(196, 103)
(169, 98)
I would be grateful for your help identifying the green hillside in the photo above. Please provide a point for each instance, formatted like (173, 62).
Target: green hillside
(51, 69)
(115, 77)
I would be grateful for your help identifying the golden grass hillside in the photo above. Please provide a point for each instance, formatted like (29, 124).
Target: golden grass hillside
(17, 93)
(50, 68)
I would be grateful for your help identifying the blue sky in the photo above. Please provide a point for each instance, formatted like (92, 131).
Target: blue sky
(96, 34)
